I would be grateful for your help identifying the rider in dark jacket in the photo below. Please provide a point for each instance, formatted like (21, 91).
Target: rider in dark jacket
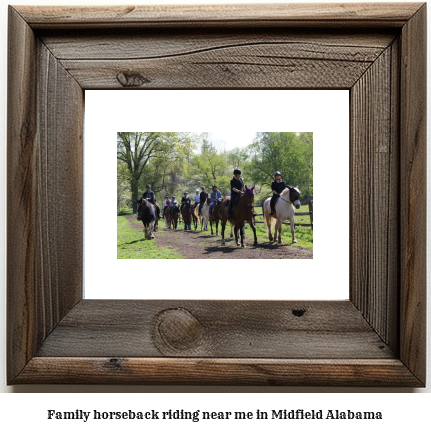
(149, 195)
(184, 200)
(203, 199)
(277, 187)
(236, 189)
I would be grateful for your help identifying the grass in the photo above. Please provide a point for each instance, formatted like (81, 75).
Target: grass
(132, 244)
(304, 235)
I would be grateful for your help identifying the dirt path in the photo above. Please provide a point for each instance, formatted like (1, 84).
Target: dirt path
(202, 245)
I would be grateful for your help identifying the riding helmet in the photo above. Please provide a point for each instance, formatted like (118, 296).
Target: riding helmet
(203, 187)
(148, 186)
(173, 197)
(167, 196)
(277, 173)
(237, 171)
(215, 186)
(186, 193)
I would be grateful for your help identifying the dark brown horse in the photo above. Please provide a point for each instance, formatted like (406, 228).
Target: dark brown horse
(243, 213)
(215, 217)
(172, 214)
(187, 216)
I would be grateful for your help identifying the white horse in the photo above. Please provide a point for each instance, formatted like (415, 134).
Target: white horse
(198, 216)
(284, 209)
(205, 216)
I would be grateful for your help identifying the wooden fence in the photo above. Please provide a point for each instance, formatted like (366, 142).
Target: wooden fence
(308, 201)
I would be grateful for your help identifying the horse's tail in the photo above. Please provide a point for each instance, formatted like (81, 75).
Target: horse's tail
(272, 220)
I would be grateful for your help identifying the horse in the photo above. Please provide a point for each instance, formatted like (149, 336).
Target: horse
(174, 212)
(226, 203)
(167, 217)
(147, 213)
(205, 214)
(243, 213)
(284, 209)
(187, 216)
(215, 216)
(195, 217)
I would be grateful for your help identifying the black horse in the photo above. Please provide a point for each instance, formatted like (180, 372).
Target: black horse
(147, 213)
(175, 213)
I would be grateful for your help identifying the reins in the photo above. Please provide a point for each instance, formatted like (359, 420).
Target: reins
(290, 202)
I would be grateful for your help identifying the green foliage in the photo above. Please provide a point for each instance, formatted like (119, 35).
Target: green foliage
(132, 244)
(287, 152)
(124, 211)
(138, 149)
(175, 162)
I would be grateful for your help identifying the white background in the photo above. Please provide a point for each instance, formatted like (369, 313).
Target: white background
(325, 113)
(403, 410)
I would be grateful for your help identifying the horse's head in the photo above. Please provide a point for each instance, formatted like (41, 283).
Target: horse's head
(145, 209)
(249, 196)
(295, 196)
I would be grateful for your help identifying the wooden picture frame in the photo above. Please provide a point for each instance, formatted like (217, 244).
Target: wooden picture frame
(376, 338)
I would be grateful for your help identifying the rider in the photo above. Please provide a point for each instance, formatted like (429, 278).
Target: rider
(237, 190)
(277, 187)
(196, 198)
(149, 195)
(215, 196)
(185, 200)
(202, 199)
(167, 204)
(174, 201)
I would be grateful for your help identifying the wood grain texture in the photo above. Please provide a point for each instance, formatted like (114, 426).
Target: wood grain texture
(217, 371)
(300, 14)
(240, 329)
(413, 194)
(45, 105)
(192, 59)
(59, 171)
(376, 338)
(374, 222)
(21, 194)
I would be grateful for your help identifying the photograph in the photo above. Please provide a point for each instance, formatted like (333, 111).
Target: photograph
(215, 195)
(346, 314)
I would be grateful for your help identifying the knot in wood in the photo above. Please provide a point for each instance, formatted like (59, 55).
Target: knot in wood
(178, 329)
(131, 79)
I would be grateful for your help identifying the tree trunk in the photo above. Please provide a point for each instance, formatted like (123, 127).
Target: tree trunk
(135, 193)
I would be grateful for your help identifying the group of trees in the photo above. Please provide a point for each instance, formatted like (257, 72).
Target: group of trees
(174, 162)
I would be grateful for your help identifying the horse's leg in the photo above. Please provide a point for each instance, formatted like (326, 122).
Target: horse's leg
(254, 233)
(280, 227)
(242, 232)
(292, 229)
(269, 227)
(216, 228)
(275, 231)
(223, 226)
(236, 235)
(231, 230)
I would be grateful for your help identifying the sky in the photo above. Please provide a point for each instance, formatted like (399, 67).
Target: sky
(230, 140)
